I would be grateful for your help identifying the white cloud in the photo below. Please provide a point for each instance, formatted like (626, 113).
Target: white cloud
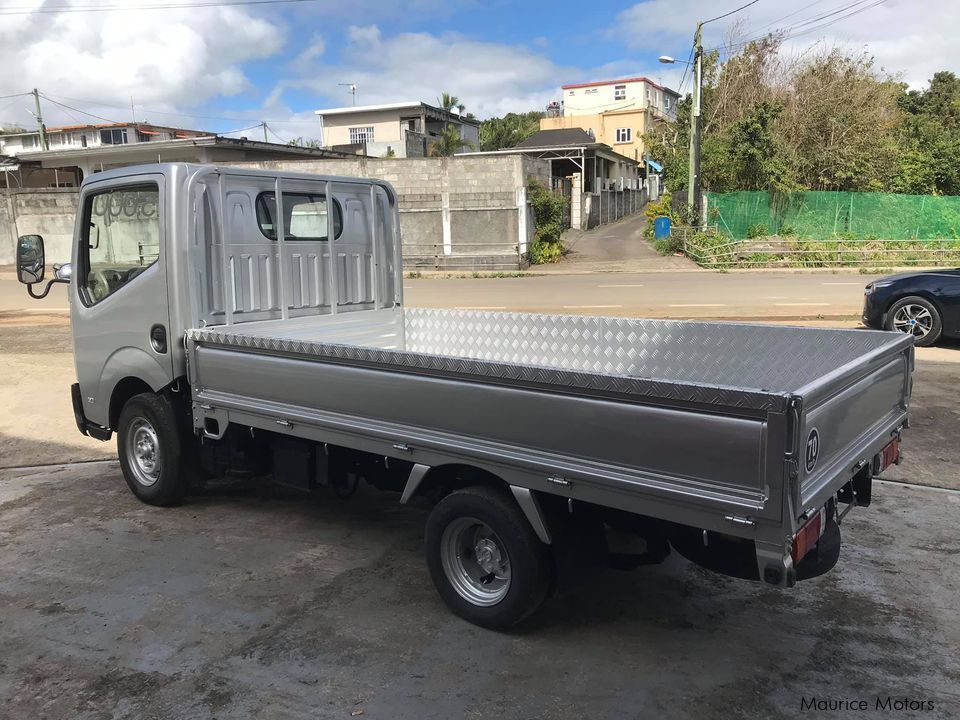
(912, 38)
(490, 78)
(162, 59)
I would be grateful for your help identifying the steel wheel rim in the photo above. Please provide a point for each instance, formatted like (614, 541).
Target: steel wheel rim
(475, 561)
(143, 450)
(914, 320)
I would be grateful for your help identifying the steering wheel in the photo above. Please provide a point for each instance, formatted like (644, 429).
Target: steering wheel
(97, 285)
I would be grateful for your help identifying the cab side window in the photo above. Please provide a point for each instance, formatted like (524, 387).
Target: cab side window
(121, 238)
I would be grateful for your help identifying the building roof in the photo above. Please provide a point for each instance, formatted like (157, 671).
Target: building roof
(70, 156)
(621, 81)
(107, 126)
(563, 137)
(408, 105)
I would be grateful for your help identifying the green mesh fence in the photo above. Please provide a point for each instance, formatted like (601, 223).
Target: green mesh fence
(825, 215)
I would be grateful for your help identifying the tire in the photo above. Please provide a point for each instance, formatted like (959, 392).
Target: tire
(915, 316)
(517, 571)
(151, 450)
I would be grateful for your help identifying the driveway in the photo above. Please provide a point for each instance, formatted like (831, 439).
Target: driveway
(616, 247)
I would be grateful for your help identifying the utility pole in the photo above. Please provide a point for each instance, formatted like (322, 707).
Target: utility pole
(263, 124)
(694, 196)
(39, 116)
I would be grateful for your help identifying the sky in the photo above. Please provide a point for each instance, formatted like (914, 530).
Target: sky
(226, 68)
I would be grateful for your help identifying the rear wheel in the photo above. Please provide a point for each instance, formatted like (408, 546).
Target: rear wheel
(484, 558)
(150, 450)
(916, 316)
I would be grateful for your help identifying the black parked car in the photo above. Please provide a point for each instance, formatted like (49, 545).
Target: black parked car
(924, 304)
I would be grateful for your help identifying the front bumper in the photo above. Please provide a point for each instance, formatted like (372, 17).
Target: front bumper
(873, 314)
(83, 425)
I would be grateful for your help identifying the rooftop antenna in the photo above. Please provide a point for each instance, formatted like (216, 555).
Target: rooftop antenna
(352, 90)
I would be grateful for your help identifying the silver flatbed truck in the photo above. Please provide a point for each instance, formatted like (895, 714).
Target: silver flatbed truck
(229, 321)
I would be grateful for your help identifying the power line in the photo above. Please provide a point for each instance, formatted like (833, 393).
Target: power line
(728, 14)
(47, 9)
(192, 116)
(4, 97)
(808, 25)
(82, 112)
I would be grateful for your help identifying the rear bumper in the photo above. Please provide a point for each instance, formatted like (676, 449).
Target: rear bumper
(83, 425)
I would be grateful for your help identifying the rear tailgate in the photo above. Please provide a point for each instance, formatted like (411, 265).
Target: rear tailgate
(849, 416)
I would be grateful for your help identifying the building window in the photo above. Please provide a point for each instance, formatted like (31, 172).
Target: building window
(29, 142)
(624, 135)
(620, 92)
(114, 136)
(572, 92)
(361, 135)
(666, 103)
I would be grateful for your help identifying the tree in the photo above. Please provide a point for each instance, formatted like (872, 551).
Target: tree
(509, 130)
(450, 140)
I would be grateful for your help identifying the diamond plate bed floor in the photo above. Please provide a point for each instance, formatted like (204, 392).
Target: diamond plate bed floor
(746, 365)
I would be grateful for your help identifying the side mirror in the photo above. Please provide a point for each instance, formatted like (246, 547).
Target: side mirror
(30, 259)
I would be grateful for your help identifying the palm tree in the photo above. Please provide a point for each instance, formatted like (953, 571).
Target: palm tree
(450, 140)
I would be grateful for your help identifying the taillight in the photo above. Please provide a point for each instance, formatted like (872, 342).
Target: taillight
(808, 536)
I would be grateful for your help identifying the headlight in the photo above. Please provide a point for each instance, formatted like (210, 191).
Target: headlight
(872, 287)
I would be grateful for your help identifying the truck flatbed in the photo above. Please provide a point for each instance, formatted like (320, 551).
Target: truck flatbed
(733, 366)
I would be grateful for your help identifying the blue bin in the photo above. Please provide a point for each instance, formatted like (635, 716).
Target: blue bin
(661, 228)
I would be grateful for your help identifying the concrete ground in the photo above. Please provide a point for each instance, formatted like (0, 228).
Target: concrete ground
(257, 602)
(617, 247)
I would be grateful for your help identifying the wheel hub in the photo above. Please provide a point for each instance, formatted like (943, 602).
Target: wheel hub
(475, 561)
(487, 555)
(143, 451)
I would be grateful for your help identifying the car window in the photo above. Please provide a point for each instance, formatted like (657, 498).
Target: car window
(121, 238)
(305, 216)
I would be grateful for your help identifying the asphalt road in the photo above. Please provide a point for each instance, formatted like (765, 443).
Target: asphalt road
(655, 294)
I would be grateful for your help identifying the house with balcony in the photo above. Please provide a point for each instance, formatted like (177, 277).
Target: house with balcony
(403, 129)
(615, 112)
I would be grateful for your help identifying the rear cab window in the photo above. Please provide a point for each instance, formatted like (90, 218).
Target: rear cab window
(306, 216)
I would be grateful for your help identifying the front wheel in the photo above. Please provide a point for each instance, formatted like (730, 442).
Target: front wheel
(150, 450)
(484, 558)
(916, 316)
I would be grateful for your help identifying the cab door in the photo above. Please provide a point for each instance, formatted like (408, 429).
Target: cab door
(119, 303)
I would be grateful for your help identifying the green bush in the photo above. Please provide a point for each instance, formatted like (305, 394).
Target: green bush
(548, 209)
(787, 231)
(757, 231)
(668, 245)
(542, 252)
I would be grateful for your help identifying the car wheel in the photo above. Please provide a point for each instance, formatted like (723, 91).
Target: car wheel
(150, 450)
(484, 558)
(916, 316)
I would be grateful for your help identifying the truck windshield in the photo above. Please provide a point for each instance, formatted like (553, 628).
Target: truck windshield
(305, 216)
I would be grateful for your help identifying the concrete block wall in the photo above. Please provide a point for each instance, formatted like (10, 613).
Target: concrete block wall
(49, 212)
(459, 212)
(455, 213)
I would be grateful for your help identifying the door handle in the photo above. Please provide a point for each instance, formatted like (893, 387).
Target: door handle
(158, 339)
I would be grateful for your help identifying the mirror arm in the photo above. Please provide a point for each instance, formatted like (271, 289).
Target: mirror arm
(46, 290)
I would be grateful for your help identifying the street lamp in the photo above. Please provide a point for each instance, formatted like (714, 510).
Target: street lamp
(693, 176)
